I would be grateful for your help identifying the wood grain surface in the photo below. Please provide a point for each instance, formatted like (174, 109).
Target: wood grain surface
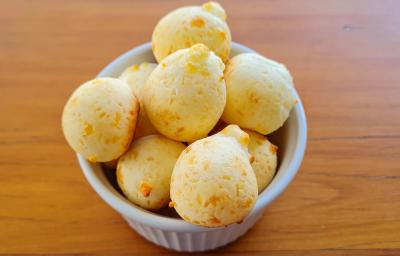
(345, 59)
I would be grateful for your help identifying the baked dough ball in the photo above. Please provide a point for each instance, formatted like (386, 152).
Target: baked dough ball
(144, 172)
(259, 93)
(185, 95)
(136, 76)
(213, 183)
(99, 119)
(264, 159)
(190, 25)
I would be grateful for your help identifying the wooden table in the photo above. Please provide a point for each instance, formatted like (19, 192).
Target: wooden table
(344, 56)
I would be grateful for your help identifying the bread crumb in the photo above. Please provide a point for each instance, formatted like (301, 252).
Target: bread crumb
(145, 189)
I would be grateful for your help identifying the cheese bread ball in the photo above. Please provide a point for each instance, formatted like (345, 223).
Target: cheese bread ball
(213, 183)
(190, 25)
(259, 93)
(99, 119)
(144, 172)
(264, 159)
(136, 76)
(185, 95)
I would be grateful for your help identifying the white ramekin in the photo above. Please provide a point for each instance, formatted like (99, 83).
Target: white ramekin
(175, 233)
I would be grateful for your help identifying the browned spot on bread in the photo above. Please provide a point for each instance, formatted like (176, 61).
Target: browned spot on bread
(117, 118)
(150, 158)
(81, 142)
(135, 67)
(185, 217)
(199, 200)
(245, 139)
(145, 189)
(215, 220)
(246, 204)
(254, 97)
(213, 200)
(160, 202)
(88, 129)
(102, 114)
(226, 177)
(191, 68)
(92, 159)
(112, 140)
(180, 129)
(198, 22)
(251, 158)
(204, 73)
(273, 148)
(221, 78)
(191, 160)
(133, 154)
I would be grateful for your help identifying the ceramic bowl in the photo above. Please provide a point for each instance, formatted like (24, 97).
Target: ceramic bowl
(166, 229)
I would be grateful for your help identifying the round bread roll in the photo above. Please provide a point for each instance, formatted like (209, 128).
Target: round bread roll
(136, 76)
(99, 119)
(264, 159)
(213, 183)
(190, 25)
(259, 93)
(185, 95)
(144, 172)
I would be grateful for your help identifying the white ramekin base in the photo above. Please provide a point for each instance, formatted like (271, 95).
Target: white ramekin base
(193, 241)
